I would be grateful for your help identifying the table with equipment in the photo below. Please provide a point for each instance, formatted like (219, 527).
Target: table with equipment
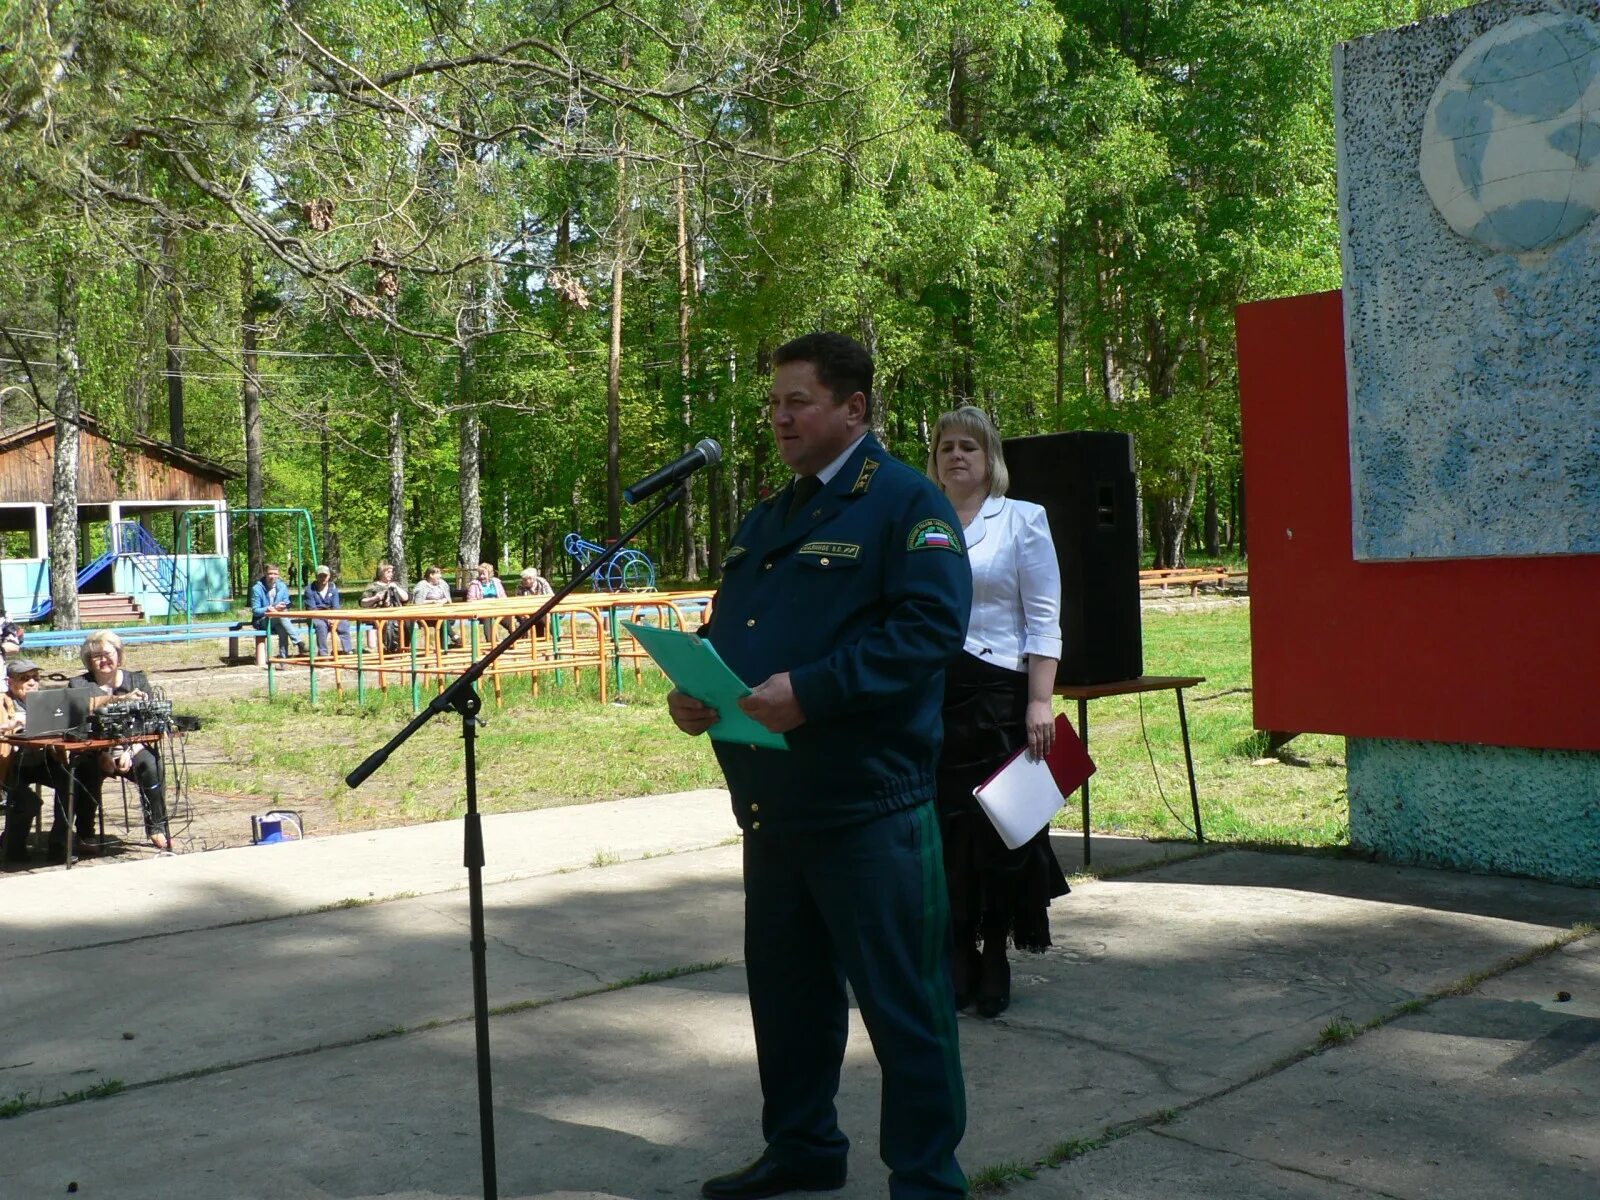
(117, 723)
(1085, 692)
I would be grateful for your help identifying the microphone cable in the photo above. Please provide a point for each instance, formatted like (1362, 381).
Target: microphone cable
(1156, 775)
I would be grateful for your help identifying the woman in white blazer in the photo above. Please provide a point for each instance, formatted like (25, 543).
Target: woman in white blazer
(997, 699)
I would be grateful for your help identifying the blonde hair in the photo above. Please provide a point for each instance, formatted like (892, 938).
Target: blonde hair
(974, 422)
(489, 567)
(96, 642)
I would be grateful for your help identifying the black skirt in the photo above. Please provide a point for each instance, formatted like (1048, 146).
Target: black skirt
(994, 891)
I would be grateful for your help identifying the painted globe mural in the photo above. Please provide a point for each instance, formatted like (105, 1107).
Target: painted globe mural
(1511, 142)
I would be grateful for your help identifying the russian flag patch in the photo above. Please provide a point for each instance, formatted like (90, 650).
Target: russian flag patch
(933, 534)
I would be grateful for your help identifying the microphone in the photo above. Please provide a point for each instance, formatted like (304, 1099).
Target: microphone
(707, 453)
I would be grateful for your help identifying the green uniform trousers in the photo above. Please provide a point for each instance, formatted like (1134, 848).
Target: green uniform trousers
(865, 903)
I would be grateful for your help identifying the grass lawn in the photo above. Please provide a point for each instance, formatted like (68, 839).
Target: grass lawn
(566, 748)
(563, 748)
(1140, 786)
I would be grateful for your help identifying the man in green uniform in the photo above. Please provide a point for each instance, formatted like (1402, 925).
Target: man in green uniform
(843, 597)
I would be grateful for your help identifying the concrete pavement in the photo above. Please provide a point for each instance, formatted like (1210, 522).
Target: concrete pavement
(291, 1022)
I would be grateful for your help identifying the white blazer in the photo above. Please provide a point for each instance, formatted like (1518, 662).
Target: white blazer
(1016, 585)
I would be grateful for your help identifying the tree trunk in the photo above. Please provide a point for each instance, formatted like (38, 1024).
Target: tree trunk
(422, 564)
(1213, 543)
(1111, 375)
(64, 477)
(614, 366)
(1061, 323)
(169, 255)
(963, 375)
(1155, 523)
(469, 457)
(1233, 510)
(1240, 510)
(720, 488)
(496, 533)
(396, 533)
(147, 284)
(332, 553)
(691, 562)
(249, 340)
(716, 493)
(1174, 521)
(1140, 525)
(469, 547)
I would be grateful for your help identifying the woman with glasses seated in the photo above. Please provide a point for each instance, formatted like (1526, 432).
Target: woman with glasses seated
(102, 656)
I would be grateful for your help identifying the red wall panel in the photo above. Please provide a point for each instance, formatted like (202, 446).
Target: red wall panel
(1504, 651)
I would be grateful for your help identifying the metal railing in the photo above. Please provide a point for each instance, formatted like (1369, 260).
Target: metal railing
(159, 566)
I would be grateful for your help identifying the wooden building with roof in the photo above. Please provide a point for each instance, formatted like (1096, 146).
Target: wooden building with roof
(152, 526)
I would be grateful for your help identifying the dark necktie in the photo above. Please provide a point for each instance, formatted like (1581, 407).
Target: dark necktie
(805, 487)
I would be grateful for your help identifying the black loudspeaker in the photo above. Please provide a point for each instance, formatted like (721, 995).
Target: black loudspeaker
(1085, 483)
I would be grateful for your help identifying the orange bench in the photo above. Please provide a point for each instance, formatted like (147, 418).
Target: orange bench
(1184, 576)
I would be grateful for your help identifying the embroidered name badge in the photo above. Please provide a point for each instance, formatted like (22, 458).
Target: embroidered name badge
(834, 549)
(933, 534)
(869, 468)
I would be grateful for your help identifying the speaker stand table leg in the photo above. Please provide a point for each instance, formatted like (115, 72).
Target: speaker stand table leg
(1188, 761)
(1083, 735)
(1085, 692)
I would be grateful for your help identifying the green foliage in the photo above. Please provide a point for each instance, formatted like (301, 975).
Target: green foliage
(1050, 210)
(1336, 1033)
(24, 1102)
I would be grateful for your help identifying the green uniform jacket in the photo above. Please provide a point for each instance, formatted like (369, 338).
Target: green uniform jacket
(863, 597)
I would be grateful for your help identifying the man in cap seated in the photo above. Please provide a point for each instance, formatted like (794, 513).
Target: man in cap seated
(24, 769)
(323, 593)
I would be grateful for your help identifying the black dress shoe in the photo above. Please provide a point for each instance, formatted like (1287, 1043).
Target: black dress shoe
(994, 984)
(993, 1006)
(767, 1178)
(965, 969)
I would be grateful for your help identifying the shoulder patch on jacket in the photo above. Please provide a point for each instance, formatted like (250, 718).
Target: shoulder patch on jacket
(733, 553)
(933, 534)
(869, 468)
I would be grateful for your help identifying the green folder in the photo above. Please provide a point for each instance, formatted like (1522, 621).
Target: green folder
(697, 670)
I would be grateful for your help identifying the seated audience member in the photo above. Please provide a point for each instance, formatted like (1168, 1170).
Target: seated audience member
(534, 584)
(102, 656)
(323, 593)
(24, 770)
(269, 596)
(11, 636)
(384, 592)
(432, 589)
(486, 586)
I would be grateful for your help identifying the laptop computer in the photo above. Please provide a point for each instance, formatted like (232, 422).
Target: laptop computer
(55, 711)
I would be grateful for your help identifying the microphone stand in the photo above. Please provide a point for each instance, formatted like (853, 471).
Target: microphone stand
(462, 697)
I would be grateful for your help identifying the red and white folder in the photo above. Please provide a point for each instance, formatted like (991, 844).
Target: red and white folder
(1022, 796)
